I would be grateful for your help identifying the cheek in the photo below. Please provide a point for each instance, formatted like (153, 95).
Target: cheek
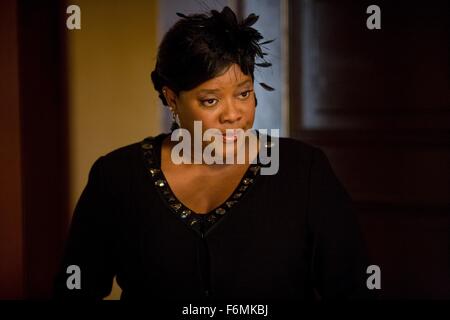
(209, 120)
(198, 113)
(250, 111)
(187, 110)
(194, 113)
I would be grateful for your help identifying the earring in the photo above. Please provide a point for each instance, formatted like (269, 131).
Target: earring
(174, 122)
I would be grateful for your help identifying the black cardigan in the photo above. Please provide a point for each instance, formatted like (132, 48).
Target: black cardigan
(292, 235)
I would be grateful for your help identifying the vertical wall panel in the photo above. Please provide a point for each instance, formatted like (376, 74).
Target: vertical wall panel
(378, 103)
(11, 216)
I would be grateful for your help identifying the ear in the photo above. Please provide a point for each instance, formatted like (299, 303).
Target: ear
(171, 98)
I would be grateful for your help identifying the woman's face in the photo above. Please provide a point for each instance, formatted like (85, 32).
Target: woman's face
(224, 102)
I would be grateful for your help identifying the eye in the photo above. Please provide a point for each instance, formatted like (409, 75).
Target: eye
(209, 102)
(244, 95)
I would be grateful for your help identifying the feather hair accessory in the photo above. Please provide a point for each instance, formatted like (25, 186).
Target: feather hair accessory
(240, 37)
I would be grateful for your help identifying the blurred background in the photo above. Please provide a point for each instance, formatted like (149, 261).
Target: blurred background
(376, 101)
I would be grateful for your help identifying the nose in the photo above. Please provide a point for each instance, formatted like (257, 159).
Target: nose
(230, 112)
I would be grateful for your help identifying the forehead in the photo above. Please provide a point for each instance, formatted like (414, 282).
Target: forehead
(232, 77)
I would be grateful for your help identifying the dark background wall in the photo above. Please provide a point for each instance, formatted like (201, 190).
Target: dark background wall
(33, 162)
(378, 103)
(11, 255)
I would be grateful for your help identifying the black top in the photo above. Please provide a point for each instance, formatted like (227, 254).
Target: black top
(292, 235)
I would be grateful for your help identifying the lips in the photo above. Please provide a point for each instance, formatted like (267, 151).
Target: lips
(230, 135)
(228, 139)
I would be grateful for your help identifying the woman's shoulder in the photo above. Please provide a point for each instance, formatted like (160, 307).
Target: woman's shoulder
(130, 151)
(296, 151)
(296, 145)
(121, 160)
(297, 157)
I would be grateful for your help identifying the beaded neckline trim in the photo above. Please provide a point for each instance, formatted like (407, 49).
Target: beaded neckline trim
(200, 223)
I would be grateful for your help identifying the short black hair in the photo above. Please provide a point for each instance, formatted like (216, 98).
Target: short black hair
(200, 47)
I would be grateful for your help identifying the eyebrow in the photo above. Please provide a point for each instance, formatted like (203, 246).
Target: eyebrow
(216, 90)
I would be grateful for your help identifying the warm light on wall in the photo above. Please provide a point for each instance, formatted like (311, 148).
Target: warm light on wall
(111, 99)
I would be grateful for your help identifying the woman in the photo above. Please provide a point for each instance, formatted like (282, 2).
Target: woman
(213, 231)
